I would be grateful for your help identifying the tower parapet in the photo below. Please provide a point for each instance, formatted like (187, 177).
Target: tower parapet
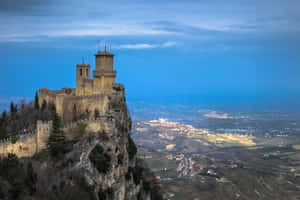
(104, 75)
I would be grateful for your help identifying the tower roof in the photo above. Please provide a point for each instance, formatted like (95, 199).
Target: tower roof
(104, 53)
(83, 65)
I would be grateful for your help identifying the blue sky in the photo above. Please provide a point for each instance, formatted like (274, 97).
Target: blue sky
(210, 52)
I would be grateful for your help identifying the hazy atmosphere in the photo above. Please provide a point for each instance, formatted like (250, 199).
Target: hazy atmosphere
(149, 100)
(221, 53)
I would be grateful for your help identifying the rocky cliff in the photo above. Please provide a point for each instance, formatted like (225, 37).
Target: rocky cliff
(99, 164)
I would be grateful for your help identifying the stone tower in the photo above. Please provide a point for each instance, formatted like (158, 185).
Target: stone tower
(104, 75)
(84, 83)
(90, 94)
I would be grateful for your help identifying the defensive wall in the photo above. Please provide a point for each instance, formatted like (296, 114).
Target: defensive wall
(28, 144)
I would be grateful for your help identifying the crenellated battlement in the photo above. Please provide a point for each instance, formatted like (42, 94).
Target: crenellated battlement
(20, 137)
(27, 144)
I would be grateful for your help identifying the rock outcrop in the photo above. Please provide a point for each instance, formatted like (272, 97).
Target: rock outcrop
(100, 164)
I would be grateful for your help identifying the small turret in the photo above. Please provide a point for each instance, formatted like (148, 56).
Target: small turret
(83, 78)
(83, 70)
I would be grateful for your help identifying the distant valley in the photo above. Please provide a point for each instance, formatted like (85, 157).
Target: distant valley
(210, 154)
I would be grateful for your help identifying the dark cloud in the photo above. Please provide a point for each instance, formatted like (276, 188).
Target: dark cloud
(24, 7)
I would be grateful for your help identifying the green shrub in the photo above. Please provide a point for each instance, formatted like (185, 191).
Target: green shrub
(14, 139)
(81, 128)
(8, 167)
(42, 156)
(106, 194)
(131, 148)
(137, 174)
(128, 173)
(146, 185)
(100, 159)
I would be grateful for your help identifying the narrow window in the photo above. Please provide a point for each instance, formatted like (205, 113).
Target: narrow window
(87, 72)
(80, 72)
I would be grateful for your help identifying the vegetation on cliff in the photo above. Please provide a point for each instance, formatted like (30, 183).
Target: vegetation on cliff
(16, 178)
(79, 163)
(23, 116)
(57, 141)
(3, 133)
(100, 159)
(131, 148)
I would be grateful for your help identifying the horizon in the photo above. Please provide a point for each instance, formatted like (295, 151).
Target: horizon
(211, 54)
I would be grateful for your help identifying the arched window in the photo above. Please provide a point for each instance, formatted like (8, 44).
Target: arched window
(87, 72)
(80, 72)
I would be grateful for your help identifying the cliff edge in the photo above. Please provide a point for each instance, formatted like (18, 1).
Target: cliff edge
(99, 163)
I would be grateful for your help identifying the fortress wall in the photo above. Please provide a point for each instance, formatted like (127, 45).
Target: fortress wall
(47, 97)
(91, 99)
(43, 131)
(24, 147)
(83, 103)
(107, 83)
(93, 125)
(104, 83)
(59, 104)
(99, 125)
(84, 87)
(29, 144)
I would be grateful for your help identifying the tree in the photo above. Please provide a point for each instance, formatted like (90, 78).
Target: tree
(96, 113)
(31, 178)
(3, 133)
(36, 101)
(131, 148)
(4, 117)
(13, 110)
(56, 141)
(12, 107)
(44, 105)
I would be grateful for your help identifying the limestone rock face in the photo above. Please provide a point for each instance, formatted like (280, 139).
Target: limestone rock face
(100, 164)
(106, 158)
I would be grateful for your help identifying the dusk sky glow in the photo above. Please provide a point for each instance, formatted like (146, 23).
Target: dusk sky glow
(209, 52)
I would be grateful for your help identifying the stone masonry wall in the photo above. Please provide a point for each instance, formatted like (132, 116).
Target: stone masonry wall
(24, 146)
(30, 143)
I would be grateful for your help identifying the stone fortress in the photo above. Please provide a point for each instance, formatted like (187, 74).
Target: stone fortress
(89, 96)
